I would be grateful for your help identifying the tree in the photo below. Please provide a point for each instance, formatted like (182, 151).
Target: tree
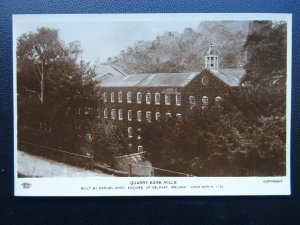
(39, 51)
(180, 52)
(57, 92)
(229, 61)
(109, 140)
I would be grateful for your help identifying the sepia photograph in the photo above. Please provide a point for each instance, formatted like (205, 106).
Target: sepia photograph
(152, 104)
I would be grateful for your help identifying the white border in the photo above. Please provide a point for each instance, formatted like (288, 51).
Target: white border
(170, 186)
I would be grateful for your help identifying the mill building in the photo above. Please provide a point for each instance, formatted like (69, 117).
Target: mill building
(134, 99)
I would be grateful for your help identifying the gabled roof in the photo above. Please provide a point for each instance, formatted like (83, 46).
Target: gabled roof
(150, 80)
(231, 77)
(106, 71)
(110, 76)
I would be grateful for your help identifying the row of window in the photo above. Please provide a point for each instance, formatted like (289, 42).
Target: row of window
(130, 133)
(140, 148)
(113, 115)
(192, 99)
(139, 98)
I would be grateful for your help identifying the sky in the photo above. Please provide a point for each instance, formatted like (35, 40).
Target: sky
(102, 39)
(105, 35)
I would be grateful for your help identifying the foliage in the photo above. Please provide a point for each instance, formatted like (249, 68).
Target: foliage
(245, 135)
(56, 91)
(109, 140)
(179, 52)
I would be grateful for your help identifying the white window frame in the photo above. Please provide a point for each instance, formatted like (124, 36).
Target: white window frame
(112, 97)
(218, 99)
(140, 148)
(104, 96)
(168, 98)
(157, 115)
(120, 114)
(129, 115)
(157, 98)
(113, 114)
(204, 101)
(178, 99)
(168, 114)
(192, 101)
(120, 97)
(105, 113)
(178, 116)
(139, 137)
(129, 97)
(130, 134)
(139, 115)
(148, 116)
(148, 98)
(139, 97)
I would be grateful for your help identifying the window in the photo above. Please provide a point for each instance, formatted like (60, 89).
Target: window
(178, 99)
(218, 99)
(104, 97)
(205, 79)
(157, 115)
(192, 101)
(105, 113)
(148, 98)
(88, 137)
(140, 148)
(130, 132)
(139, 137)
(157, 99)
(178, 116)
(130, 147)
(120, 114)
(167, 99)
(129, 96)
(139, 115)
(204, 102)
(148, 116)
(86, 111)
(168, 115)
(113, 114)
(112, 97)
(129, 115)
(139, 97)
(120, 96)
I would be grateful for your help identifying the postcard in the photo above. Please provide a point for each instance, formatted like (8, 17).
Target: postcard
(152, 104)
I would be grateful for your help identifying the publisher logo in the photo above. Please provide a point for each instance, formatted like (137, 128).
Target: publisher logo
(26, 185)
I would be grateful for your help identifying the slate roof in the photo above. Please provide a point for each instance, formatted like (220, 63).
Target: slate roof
(111, 76)
(106, 71)
(151, 80)
(231, 77)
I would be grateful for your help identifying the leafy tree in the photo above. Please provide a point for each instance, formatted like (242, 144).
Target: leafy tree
(57, 92)
(109, 140)
(37, 52)
(179, 52)
(229, 61)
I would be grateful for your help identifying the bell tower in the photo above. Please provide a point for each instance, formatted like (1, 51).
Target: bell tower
(212, 59)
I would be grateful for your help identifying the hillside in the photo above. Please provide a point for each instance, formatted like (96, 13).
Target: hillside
(178, 52)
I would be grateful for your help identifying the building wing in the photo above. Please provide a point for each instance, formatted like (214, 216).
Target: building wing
(150, 80)
(104, 72)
